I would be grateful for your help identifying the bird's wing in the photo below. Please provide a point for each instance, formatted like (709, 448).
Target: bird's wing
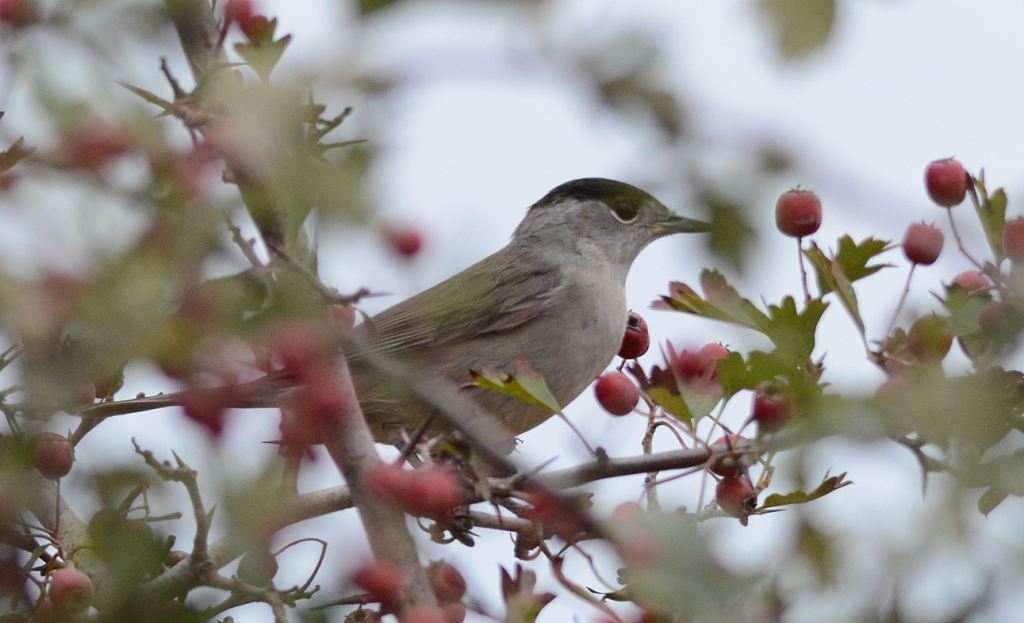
(495, 295)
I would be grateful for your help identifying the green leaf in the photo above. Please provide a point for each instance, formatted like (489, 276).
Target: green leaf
(682, 581)
(735, 375)
(14, 154)
(800, 26)
(720, 302)
(991, 209)
(851, 258)
(527, 385)
(793, 331)
(263, 57)
(847, 295)
(800, 497)
(672, 403)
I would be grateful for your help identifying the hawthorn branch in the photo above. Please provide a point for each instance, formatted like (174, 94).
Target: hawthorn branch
(351, 446)
(181, 577)
(71, 532)
(200, 558)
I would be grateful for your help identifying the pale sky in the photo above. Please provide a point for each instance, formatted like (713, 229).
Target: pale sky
(485, 128)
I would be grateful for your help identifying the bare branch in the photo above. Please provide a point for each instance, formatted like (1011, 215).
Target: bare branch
(351, 446)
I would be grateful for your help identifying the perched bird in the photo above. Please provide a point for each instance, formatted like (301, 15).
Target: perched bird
(555, 296)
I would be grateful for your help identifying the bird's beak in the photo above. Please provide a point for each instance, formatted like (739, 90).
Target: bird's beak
(676, 224)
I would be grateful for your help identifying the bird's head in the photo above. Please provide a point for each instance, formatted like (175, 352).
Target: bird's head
(600, 217)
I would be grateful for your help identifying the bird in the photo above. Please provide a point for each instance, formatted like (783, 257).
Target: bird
(554, 297)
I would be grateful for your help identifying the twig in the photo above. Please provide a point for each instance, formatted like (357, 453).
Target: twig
(647, 443)
(176, 89)
(246, 246)
(956, 232)
(351, 447)
(577, 432)
(200, 558)
(575, 589)
(803, 269)
(899, 305)
(319, 561)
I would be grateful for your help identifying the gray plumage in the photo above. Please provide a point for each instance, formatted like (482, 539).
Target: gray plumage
(554, 295)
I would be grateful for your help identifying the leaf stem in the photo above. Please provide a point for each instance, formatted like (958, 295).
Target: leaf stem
(899, 305)
(956, 232)
(803, 268)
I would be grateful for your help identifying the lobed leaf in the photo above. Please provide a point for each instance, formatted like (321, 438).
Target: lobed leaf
(827, 486)
(527, 385)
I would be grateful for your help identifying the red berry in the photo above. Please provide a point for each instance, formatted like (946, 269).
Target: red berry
(930, 338)
(436, 491)
(19, 12)
(946, 181)
(975, 282)
(1013, 239)
(300, 345)
(771, 408)
(52, 455)
(736, 495)
(383, 581)
(1000, 320)
(321, 399)
(429, 492)
(447, 582)
(636, 340)
(422, 614)
(556, 515)
(627, 511)
(70, 589)
(453, 612)
(798, 213)
(701, 364)
(922, 243)
(207, 406)
(734, 462)
(405, 241)
(616, 393)
(240, 11)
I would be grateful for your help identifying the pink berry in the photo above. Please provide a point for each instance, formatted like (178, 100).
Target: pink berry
(447, 582)
(53, 455)
(798, 213)
(922, 243)
(19, 13)
(616, 393)
(383, 581)
(734, 462)
(70, 589)
(636, 340)
(946, 181)
(736, 495)
(973, 281)
(406, 241)
(701, 364)
(771, 408)
(1013, 239)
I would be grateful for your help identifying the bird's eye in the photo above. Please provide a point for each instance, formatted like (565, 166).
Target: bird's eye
(625, 211)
